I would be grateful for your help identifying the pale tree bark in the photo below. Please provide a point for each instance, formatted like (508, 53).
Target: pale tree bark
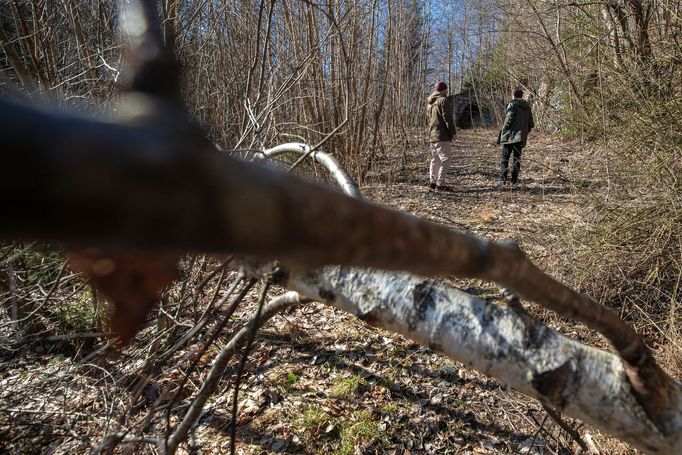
(500, 341)
(339, 174)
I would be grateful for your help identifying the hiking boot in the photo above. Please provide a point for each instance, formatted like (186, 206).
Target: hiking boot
(444, 188)
(432, 186)
(500, 183)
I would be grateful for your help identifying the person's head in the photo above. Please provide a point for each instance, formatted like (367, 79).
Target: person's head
(517, 92)
(441, 87)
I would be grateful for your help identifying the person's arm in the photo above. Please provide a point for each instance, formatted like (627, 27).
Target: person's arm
(509, 117)
(531, 123)
(449, 117)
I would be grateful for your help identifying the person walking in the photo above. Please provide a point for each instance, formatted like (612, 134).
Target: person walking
(518, 122)
(442, 132)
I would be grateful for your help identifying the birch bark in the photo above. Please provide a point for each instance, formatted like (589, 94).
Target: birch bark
(580, 381)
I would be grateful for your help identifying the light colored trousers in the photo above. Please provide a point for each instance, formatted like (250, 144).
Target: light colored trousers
(440, 161)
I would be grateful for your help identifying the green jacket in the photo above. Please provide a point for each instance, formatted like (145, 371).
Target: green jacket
(441, 118)
(517, 123)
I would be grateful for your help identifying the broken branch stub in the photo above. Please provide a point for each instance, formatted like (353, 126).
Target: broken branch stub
(150, 68)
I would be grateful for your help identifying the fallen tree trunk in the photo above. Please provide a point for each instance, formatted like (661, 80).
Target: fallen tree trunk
(579, 380)
(151, 181)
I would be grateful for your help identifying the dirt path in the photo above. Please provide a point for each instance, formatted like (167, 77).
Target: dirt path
(528, 212)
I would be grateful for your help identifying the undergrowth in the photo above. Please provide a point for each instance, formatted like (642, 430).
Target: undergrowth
(628, 253)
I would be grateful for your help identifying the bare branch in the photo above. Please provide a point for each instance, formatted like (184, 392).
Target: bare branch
(329, 162)
(15, 62)
(276, 305)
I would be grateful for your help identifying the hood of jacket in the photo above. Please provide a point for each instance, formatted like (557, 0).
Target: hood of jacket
(435, 96)
(520, 102)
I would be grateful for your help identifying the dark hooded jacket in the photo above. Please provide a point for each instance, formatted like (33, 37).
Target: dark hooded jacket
(517, 123)
(441, 118)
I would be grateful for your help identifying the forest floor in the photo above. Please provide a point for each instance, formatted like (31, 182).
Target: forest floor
(322, 381)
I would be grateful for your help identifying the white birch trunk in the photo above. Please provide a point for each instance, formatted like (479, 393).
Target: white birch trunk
(579, 380)
(329, 162)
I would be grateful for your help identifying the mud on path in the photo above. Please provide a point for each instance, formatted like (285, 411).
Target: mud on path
(319, 380)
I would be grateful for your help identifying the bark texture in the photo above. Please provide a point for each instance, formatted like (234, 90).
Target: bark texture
(578, 380)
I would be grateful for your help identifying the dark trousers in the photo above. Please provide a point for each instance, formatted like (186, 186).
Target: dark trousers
(508, 151)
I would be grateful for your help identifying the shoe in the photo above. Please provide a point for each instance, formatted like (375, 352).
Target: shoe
(432, 186)
(444, 188)
(500, 183)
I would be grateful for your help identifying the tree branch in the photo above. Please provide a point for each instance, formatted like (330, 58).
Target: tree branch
(329, 162)
(500, 341)
(122, 184)
(276, 305)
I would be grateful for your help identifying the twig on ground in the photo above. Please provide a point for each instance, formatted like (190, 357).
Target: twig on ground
(211, 339)
(210, 384)
(253, 328)
(565, 426)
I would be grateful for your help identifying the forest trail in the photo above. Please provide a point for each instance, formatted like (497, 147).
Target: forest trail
(543, 202)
